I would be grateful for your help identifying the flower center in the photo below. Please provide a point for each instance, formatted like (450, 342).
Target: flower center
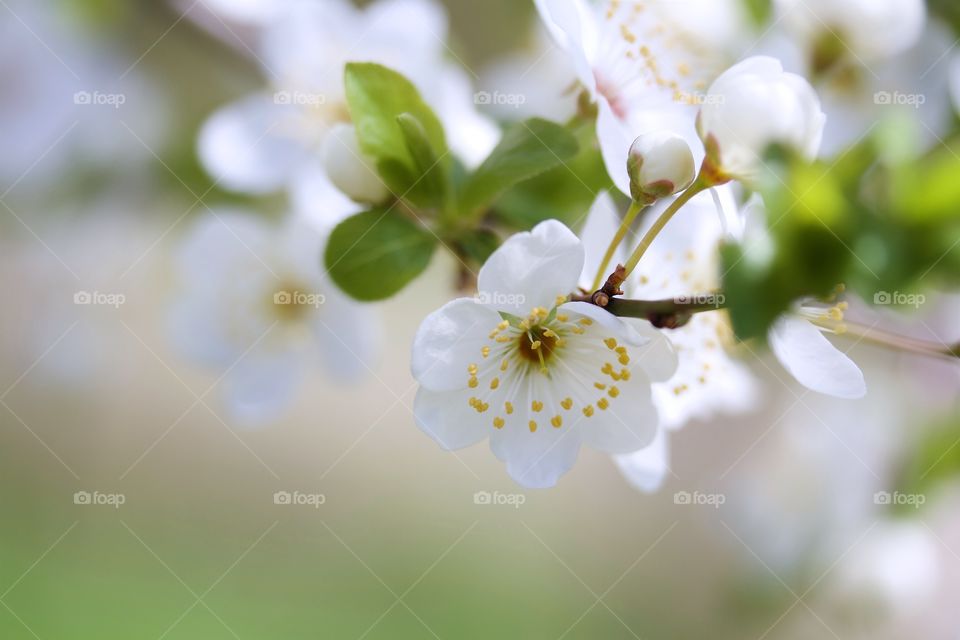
(546, 368)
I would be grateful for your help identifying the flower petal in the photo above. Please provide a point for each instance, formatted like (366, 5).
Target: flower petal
(628, 424)
(448, 418)
(532, 268)
(571, 24)
(261, 385)
(647, 468)
(615, 139)
(240, 146)
(809, 357)
(448, 340)
(536, 460)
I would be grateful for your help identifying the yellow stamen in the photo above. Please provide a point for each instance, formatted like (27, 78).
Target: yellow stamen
(536, 405)
(495, 383)
(533, 426)
(567, 403)
(588, 410)
(556, 421)
(498, 422)
(613, 392)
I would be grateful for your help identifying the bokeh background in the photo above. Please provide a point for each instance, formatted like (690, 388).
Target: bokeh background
(789, 539)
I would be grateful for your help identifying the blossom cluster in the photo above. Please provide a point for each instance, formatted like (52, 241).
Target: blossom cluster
(566, 336)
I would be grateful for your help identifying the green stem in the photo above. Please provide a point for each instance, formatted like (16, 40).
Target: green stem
(632, 213)
(697, 187)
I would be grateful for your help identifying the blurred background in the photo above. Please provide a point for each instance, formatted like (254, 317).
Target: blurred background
(133, 506)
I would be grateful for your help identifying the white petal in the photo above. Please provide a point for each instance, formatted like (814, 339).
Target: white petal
(654, 352)
(471, 135)
(241, 147)
(657, 356)
(532, 268)
(570, 23)
(615, 138)
(349, 337)
(316, 200)
(809, 357)
(448, 418)
(707, 381)
(628, 424)
(602, 223)
(647, 468)
(448, 341)
(536, 460)
(217, 242)
(261, 385)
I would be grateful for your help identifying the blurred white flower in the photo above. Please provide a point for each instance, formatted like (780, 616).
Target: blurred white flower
(894, 570)
(682, 262)
(646, 66)
(538, 376)
(805, 489)
(709, 381)
(907, 89)
(255, 304)
(535, 81)
(266, 141)
(660, 164)
(753, 105)
(869, 30)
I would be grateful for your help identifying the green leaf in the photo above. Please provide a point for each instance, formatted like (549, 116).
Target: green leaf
(759, 10)
(564, 193)
(934, 461)
(373, 255)
(431, 175)
(527, 149)
(479, 244)
(397, 129)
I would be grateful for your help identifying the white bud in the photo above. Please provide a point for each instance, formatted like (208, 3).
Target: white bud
(752, 106)
(660, 164)
(348, 168)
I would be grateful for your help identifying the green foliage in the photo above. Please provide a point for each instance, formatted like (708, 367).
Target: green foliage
(399, 131)
(564, 193)
(759, 10)
(527, 149)
(934, 461)
(373, 255)
(874, 227)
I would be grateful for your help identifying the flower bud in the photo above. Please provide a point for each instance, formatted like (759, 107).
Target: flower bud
(349, 169)
(660, 164)
(752, 106)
